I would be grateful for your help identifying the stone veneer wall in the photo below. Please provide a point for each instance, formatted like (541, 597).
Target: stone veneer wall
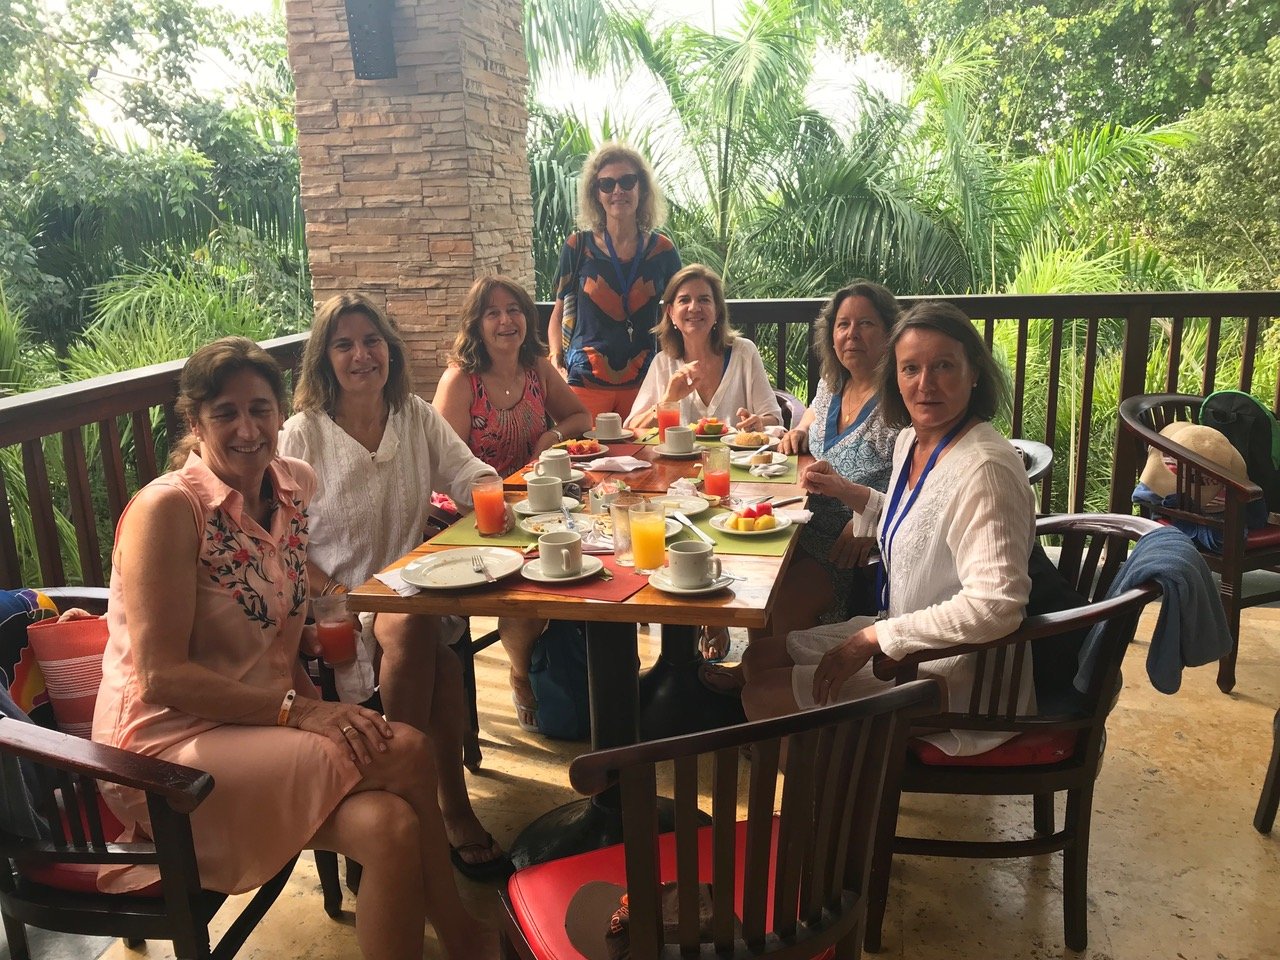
(414, 186)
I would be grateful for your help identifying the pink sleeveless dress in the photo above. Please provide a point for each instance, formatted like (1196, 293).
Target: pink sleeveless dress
(504, 439)
(273, 786)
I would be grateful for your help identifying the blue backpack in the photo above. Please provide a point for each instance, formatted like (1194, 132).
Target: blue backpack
(558, 675)
(1253, 431)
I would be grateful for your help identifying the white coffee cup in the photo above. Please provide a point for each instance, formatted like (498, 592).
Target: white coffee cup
(546, 494)
(679, 439)
(691, 563)
(553, 463)
(560, 553)
(608, 426)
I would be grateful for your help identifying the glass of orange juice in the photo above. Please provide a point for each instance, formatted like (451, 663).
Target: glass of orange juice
(668, 416)
(490, 505)
(648, 535)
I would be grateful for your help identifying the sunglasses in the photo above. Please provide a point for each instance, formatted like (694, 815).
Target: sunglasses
(627, 182)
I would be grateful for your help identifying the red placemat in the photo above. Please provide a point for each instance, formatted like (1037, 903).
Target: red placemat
(625, 582)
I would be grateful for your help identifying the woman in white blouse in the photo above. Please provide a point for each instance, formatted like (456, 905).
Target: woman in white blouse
(379, 451)
(704, 364)
(955, 532)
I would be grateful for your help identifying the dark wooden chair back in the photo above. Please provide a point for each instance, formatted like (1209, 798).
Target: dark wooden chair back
(68, 800)
(1093, 547)
(1142, 418)
(800, 877)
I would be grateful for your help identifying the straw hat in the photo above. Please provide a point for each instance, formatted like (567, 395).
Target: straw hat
(1207, 443)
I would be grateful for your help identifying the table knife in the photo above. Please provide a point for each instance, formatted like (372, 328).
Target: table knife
(681, 518)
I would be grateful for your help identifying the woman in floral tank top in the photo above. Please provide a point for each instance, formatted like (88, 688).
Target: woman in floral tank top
(505, 399)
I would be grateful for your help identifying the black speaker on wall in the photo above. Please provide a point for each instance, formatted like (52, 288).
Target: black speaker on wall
(373, 48)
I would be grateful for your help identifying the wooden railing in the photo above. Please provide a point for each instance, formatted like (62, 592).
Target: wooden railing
(127, 420)
(1071, 359)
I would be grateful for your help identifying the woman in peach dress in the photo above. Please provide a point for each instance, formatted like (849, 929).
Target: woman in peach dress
(208, 600)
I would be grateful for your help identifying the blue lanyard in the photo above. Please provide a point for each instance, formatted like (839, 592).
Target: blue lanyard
(833, 433)
(893, 519)
(627, 281)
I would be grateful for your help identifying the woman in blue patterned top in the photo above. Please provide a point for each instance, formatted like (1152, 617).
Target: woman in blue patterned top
(610, 280)
(843, 429)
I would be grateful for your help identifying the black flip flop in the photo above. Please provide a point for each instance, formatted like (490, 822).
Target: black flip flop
(494, 869)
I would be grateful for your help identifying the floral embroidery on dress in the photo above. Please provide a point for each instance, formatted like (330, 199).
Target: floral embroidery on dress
(230, 563)
(294, 552)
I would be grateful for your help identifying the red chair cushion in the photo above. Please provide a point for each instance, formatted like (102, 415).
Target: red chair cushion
(540, 894)
(70, 657)
(1024, 750)
(82, 877)
(1268, 536)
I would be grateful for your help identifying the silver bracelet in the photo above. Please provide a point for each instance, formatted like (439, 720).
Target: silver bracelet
(559, 435)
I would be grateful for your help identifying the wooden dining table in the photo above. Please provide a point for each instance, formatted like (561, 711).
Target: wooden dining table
(669, 700)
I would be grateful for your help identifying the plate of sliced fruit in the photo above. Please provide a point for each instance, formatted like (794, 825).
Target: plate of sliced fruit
(583, 449)
(751, 521)
(711, 428)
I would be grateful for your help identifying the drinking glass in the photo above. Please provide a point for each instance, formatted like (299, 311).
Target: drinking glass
(648, 536)
(335, 632)
(620, 512)
(668, 416)
(490, 505)
(715, 471)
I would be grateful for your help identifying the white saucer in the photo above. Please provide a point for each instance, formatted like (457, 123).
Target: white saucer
(732, 443)
(590, 567)
(661, 581)
(686, 505)
(719, 520)
(525, 510)
(743, 459)
(575, 476)
(662, 451)
(624, 435)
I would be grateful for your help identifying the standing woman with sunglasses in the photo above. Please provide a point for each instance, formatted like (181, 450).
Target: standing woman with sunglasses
(610, 281)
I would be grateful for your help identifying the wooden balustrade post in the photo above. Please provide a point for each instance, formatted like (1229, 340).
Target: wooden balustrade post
(1133, 381)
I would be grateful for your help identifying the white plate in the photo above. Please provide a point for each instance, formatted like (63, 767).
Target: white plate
(525, 510)
(733, 442)
(718, 523)
(604, 524)
(590, 567)
(575, 476)
(726, 432)
(451, 569)
(744, 459)
(624, 435)
(551, 523)
(686, 505)
(585, 456)
(662, 451)
(661, 581)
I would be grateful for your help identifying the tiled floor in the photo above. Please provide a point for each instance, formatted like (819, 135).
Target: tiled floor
(1177, 871)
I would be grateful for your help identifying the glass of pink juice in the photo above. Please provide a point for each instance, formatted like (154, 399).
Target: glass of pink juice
(715, 472)
(668, 416)
(490, 505)
(335, 632)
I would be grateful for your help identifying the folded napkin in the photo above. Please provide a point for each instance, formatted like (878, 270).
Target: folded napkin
(618, 464)
(795, 515)
(395, 581)
(776, 431)
(769, 469)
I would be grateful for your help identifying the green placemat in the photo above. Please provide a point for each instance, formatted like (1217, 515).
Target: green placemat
(745, 474)
(773, 545)
(464, 534)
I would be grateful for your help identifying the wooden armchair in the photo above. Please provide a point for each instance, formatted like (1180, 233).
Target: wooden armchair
(797, 880)
(1265, 816)
(49, 882)
(1243, 550)
(1056, 750)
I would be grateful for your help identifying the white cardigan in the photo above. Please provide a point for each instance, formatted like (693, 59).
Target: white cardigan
(744, 384)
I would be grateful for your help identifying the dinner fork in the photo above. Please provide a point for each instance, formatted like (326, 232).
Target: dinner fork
(479, 566)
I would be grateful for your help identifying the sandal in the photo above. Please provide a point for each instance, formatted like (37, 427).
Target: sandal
(722, 680)
(491, 869)
(526, 715)
(713, 643)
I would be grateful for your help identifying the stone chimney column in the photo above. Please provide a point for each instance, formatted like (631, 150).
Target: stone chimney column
(414, 186)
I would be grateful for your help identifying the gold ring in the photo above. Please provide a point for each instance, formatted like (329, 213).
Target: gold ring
(347, 729)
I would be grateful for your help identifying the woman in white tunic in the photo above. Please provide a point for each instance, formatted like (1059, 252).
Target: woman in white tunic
(704, 364)
(955, 531)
